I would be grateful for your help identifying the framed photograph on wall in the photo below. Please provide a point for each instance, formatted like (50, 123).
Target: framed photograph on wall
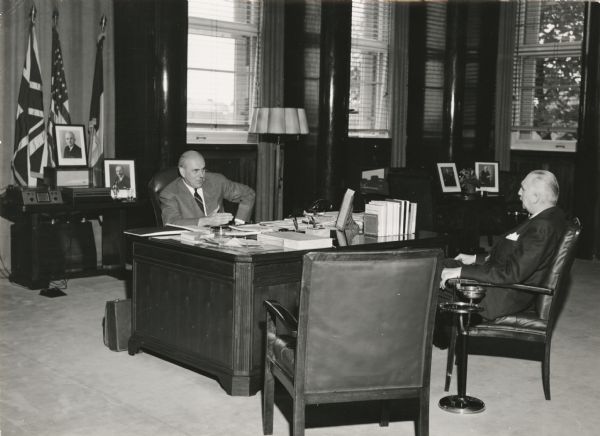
(448, 177)
(119, 175)
(70, 145)
(487, 174)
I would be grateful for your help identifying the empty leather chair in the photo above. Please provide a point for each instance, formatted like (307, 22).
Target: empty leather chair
(363, 332)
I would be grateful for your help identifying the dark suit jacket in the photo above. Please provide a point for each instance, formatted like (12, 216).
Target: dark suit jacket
(178, 205)
(124, 183)
(522, 255)
(72, 154)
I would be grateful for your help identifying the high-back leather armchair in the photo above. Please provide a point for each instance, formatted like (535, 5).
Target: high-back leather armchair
(363, 332)
(155, 185)
(532, 327)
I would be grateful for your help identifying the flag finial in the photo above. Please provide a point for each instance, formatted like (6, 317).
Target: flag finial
(33, 14)
(103, 23)
(55, 17)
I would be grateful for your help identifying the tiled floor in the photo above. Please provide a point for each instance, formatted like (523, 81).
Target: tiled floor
(57, 378)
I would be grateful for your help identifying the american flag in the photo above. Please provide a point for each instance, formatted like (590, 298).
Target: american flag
(30, 152)
(96, 124)
(59, 107)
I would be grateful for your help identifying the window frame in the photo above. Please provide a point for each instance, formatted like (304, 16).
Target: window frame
(534, 51)
(380, 50)
(201, 133)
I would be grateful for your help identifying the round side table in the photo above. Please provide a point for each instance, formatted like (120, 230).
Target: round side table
(462, 310)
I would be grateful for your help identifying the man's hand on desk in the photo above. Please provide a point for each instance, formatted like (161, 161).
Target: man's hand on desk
(466, 259)
(218, 219)
(449, 273)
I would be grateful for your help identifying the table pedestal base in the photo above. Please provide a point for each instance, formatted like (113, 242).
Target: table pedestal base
(462, 405)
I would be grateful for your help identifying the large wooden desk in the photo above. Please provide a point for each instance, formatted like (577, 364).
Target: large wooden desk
(202, 307)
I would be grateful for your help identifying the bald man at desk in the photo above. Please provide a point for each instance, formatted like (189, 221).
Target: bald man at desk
(196, 198)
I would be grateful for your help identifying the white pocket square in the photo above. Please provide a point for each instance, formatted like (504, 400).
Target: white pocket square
(513, 236)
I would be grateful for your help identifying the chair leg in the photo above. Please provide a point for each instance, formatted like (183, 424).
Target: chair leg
(423, 421)
(268, 400)
(298, 417)
(546, 372)
(450, 358)
(384, 419)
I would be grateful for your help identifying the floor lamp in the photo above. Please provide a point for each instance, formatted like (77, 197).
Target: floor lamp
(279, 121)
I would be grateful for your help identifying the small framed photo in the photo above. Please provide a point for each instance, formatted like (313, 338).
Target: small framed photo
(70, 145)
(487, 174)
(119, 176)
(448, 177)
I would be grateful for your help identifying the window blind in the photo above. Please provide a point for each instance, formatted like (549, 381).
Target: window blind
(435, 43)
(547, 71)
(223, 54)
(369, 100)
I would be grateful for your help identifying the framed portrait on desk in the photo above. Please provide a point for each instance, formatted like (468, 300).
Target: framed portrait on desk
(448, 177)
(119, 175)
(487, 174)
(70, 145)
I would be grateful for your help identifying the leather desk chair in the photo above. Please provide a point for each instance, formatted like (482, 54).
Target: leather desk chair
(529, 332)
(155, 185)
(363, 333)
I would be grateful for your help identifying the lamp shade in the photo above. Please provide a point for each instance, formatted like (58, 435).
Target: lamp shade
(279, 121)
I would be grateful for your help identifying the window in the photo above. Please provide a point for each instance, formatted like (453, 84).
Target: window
(223, 55)
(547, 75)
(369, 97)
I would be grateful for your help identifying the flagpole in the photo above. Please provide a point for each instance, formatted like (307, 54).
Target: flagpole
(94, 121)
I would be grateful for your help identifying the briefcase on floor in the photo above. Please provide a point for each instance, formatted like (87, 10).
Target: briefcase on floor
(117, 324)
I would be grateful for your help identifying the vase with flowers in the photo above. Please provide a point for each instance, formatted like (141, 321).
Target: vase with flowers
(468, 181)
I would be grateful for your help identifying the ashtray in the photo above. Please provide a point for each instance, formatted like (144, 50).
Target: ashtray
(471, 292)
(461, 307)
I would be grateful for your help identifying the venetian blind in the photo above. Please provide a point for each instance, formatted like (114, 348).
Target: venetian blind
(547, 71)
(369, 100)
(223, 55)
(435, 43)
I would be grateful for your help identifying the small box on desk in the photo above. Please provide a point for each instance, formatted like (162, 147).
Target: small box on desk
(67, 176)
(76, 195)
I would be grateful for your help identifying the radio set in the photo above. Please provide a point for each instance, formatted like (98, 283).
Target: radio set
(28, 196)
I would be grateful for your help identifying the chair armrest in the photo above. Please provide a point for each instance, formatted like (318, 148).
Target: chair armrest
(279, 312)
(515, 286)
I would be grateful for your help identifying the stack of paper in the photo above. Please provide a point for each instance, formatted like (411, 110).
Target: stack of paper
(295, 240)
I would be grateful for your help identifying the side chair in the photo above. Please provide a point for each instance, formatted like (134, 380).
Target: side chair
(530, 330)
(363, 332)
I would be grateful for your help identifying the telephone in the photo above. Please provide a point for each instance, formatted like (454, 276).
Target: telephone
(25, 196)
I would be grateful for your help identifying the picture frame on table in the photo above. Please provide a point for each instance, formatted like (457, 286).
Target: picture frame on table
(71, 147)
(488, 176)
(448, 176)
(119, 176)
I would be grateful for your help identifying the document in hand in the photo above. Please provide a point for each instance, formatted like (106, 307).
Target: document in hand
(295, 240)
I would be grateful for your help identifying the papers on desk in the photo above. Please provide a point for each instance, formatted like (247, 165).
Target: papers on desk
(205, 230)
(295, 240)
(152, 231)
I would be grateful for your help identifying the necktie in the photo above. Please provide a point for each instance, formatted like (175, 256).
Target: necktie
(199, 201)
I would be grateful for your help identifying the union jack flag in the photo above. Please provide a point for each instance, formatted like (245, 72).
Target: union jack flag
(30, 151)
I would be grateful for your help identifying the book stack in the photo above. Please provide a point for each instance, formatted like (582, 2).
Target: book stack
(295, 240)
(390, 217)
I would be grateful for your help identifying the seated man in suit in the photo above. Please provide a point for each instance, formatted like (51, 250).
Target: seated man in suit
(196, 198)
(121, 181)
(523, 255)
